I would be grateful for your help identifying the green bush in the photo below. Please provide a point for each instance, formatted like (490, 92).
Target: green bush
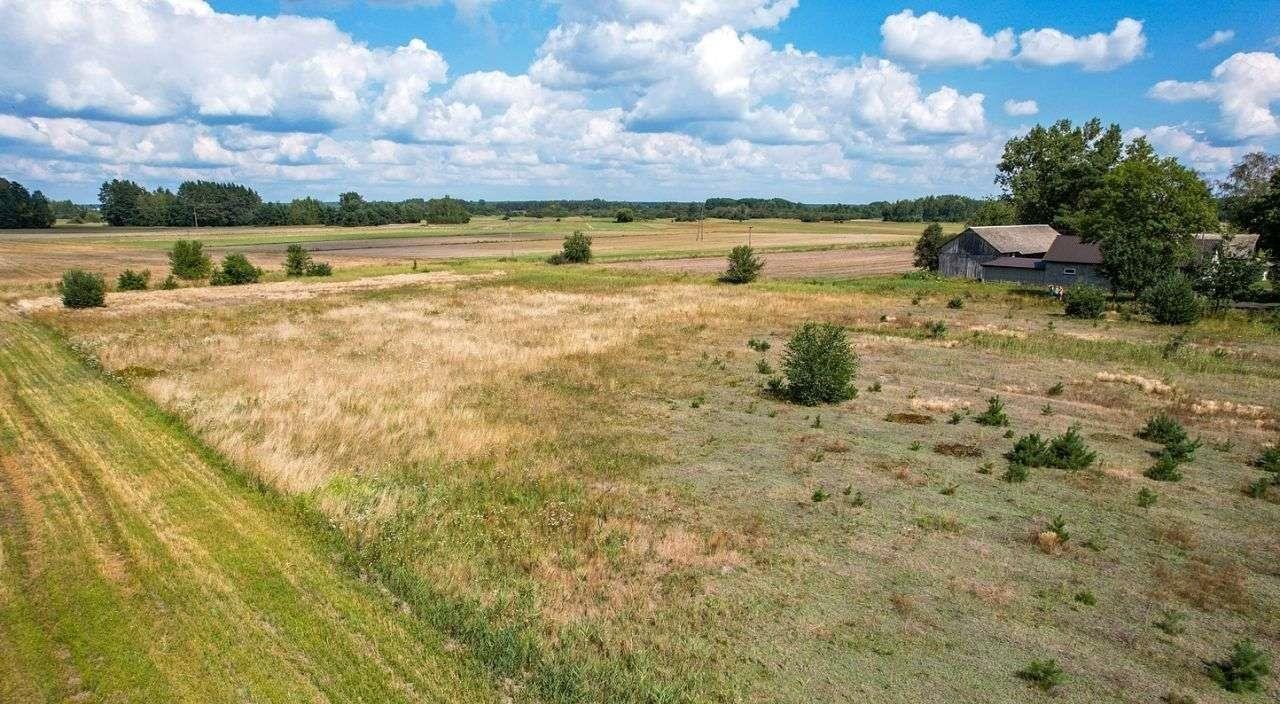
(956, 303)
(1084, 301)
(296, 260)
(819, 365)
(1069, 451)
(235, 271)
(169, 283)
(994, 416)
(936, 330)
(1045, 674)
(624, 215)
(1147, 498)
(1166, 469)
(744, 266)
(188, 260)
(576, 250)
(1029, 451)
(80, 289)
(1016, 473)
(1269, 460)
(1162, 428)
(318, 269)
(1243, 670)
(1183, 450)
(130, 280)
(1173, 301)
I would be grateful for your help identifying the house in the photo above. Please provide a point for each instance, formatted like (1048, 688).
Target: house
(1068, 261)
(965, 253)
(1211, 245)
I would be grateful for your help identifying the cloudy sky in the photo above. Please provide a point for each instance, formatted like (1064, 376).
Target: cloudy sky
(817, 100)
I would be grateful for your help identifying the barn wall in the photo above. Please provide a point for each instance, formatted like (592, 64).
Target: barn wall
(964, 254)
(1033, 277)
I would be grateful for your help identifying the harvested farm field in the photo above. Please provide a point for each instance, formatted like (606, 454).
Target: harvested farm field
(830, 263)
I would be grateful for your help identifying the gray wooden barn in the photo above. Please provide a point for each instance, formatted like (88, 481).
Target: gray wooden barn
(965, 253)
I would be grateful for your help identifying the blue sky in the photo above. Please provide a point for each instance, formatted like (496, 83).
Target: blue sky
(660, 99)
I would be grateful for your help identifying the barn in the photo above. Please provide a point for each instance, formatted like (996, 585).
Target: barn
(965, 253)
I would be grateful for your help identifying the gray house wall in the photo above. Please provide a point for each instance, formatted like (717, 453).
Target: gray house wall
(1056, 273)
(964, 255)
(1013, 275)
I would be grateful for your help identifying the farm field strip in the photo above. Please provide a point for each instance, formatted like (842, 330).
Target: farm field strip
(135, 567)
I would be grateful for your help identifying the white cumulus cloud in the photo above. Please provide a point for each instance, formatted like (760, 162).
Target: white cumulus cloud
(1020, 108)
(1219, 37)
(934, 40)
(1244, 86)
(1095, 52)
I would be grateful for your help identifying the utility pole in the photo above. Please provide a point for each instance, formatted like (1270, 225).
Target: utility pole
(702, 215)
(749, 229)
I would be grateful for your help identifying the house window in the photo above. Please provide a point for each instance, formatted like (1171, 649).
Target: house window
(1069, 271)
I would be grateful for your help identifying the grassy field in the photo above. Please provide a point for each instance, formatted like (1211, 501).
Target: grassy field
(573, 476)
(136, 565)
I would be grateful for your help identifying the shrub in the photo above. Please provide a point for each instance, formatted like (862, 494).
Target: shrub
(1147, 498)
(994, 416)
(80, 289)
(1269, 460)
(130, 280)
(763, 367)
(235, 271)
(955, 303)
(188, 260)
(936, 330)
(319, 269)
(1243, 669)
(760, 346)
(820, 494)
(1183, 450)
(296, 260)
(1173, 301)
(1084, 301)
(169, 283)
(1044, 674)
(1069, 451)
(1055, 390)
(1058, 526)
(1029, 451)
(819, 365)
(744, 266)
(1260, 487)
(624, 215)
(1165, 470)
(928, 247)
(576, 250)
(1162, 428)
(1016, 473)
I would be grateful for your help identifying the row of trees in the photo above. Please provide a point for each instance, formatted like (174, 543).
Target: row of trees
(206, 203)
(21, 209)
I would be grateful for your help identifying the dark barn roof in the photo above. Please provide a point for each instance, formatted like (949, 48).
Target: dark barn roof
(1068, 249)
(1241, 245)
(1014, 263)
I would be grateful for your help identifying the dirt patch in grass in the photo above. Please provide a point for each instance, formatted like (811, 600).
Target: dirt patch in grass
(955, 449)
(909, 418)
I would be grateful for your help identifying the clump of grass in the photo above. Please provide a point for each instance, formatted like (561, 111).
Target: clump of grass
(1046, 409)
(817, 421)
(820, 494)
(1055, 390)
(956, 303)
(994, 416)
(1243, 670)
(1147, 498)
(875, 388)
(760, 346)
(956, 417)
(1260, 488)
(949, 490)
(1171, 622)
(936, 330)
(938, 523)
(763, 367)
(1087, 598)
(915, 446)
(1044, 674)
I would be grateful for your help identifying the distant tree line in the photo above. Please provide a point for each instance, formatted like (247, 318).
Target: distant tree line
(952, 208)
(21, 209)
(211, 204)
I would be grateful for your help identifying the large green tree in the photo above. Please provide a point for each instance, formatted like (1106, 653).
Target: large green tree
(1048, 171)
(1245, 187)
(121, 201)
(994, 211)
(20, 209)
(1142, 215)
(1263, 217)
(928, 246)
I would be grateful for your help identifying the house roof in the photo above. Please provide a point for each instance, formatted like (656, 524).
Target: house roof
(1241, 245)
(1014, 263)
(1068, 249)
(1020, 239)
